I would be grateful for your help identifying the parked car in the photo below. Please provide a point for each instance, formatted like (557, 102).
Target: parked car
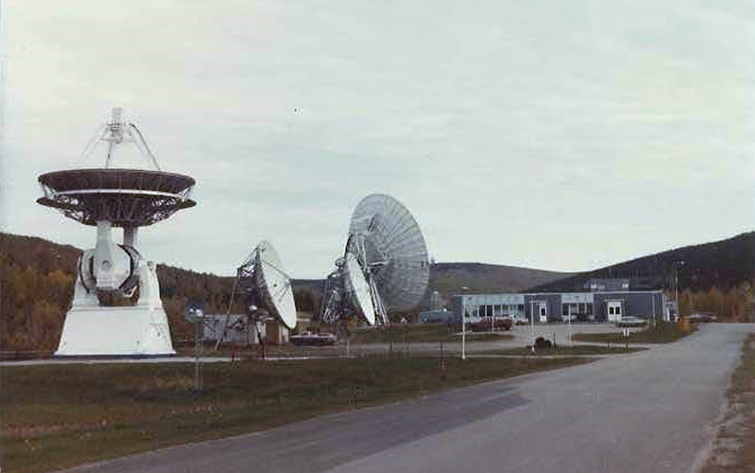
(630, 321)
(701, 317)
(520, 320)
(313, 339)
(501, 325)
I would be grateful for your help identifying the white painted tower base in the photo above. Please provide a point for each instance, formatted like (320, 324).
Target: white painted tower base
(140, 330)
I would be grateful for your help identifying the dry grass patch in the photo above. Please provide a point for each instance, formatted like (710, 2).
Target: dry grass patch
(732, 449)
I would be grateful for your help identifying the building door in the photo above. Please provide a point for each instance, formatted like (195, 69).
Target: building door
(543, 311)
(614, 311)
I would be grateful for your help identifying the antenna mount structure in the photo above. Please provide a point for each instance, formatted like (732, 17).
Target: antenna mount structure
(265, 288)
(385, 266)
(106, 316)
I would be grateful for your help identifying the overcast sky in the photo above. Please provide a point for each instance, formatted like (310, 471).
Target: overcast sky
(561, 135)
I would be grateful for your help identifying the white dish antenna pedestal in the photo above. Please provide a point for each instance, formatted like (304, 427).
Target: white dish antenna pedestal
(140, 330)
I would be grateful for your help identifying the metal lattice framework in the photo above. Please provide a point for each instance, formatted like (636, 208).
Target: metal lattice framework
(265, 287)
(125, 197)
(392, 249)
(388, 244)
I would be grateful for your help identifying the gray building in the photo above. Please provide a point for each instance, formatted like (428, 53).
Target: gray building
(607, 301)
(243, 332)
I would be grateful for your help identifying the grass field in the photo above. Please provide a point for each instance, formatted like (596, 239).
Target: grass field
(59, 416)
(420, 333)
(664, 332)
(577, 350)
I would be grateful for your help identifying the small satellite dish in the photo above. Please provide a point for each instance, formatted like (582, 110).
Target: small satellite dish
(263, 282)
(386, 245)
(194, 311)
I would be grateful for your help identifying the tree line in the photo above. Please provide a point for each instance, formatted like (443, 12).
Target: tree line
(36, 288)
(37, 279)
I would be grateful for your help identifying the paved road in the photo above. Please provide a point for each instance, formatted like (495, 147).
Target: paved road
(521, 336)
(108, 361)
(644, 412)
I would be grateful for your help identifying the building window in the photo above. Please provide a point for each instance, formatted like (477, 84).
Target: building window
(618, 310)
(575, 309)
(588, 308)
(610, 310)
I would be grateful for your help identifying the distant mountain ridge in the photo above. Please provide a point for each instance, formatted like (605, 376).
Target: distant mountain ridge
(449, 278)
(724, 264)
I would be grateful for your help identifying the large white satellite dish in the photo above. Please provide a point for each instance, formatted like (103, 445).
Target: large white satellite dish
(266, 288)
(386, 243)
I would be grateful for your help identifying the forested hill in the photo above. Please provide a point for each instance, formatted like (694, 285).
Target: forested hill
(36, 287)
(449, 278)
(724, 264)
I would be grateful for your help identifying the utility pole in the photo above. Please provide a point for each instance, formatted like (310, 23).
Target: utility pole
(463, 326)
(675, 267)
(532, 323)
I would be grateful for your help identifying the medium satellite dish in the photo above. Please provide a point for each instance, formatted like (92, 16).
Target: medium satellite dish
(386, 244)
(358, 289)
(266, 286)
(274, 285)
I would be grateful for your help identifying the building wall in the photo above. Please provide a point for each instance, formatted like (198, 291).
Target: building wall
(436, 316)
(242, 332)
(635, 304)
(593, 305)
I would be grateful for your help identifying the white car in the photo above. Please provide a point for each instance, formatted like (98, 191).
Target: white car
(520, 320)
(631, 322)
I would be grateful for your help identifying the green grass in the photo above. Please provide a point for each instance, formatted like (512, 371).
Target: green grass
(577, 350)
(420, 333)
(59, 416)
(733, 446)
(664, 332)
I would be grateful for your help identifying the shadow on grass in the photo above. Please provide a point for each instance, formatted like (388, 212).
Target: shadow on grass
(59, 416)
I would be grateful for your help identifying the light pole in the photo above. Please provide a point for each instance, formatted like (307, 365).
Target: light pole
(571, 341)
(463, 329)
(492, 319)
(194, 314)
(532, 324)
(463, 325)
(675, 266)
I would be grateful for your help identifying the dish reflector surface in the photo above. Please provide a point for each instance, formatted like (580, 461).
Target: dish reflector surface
(394, 250)
(274, 285)
(358, 289)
